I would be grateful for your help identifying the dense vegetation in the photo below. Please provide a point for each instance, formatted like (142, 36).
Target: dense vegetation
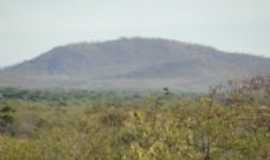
(164, 126)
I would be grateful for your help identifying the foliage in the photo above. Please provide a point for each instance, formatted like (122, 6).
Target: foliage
(161, 127)
(6, 119)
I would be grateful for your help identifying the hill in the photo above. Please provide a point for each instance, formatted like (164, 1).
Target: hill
(133, 63)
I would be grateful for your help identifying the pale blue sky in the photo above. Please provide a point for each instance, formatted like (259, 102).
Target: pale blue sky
(31, 27)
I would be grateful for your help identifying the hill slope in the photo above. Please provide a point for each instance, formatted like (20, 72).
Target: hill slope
(132, 63)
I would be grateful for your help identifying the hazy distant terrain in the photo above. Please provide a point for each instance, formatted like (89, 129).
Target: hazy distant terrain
(129, 63)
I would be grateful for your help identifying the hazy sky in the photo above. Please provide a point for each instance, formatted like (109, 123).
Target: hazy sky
(30, 27)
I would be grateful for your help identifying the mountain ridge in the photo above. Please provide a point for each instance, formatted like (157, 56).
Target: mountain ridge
(138, 62)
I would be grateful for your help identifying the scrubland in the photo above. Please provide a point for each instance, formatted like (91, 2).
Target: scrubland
(165, 126)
